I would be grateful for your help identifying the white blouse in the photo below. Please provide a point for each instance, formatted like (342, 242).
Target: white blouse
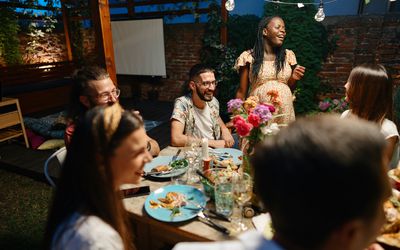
(86, 232)
(389, 130)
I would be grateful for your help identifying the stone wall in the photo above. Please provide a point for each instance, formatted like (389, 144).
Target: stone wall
(361, 39)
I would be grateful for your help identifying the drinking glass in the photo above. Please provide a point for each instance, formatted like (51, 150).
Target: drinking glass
(242, 192)
(192, 155)
(223, 195)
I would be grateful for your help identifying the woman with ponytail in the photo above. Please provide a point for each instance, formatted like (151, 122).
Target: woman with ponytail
(108, 149)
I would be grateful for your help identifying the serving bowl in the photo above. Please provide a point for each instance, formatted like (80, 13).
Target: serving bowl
(212, 176)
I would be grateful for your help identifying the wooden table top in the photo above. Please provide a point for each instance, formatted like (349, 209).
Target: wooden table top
(192, 230)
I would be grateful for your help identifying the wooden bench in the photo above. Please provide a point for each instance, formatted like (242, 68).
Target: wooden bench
(38, 86)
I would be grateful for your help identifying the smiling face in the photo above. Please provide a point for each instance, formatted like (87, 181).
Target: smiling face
(204, 93)
(275, 32)
(129, 158)
(99, 93)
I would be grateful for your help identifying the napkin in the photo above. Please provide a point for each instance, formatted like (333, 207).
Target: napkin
(262, 223)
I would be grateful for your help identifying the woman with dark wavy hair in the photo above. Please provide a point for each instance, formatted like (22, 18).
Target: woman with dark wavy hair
(369, 92)
(270, 67)
(108, 149)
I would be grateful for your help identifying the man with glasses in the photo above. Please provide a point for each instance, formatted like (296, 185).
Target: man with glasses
(196, 115)
(92, 86)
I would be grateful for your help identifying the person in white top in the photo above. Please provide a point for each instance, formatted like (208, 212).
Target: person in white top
(196, 115)
(369, 92)
(320, 189)
(109, 149)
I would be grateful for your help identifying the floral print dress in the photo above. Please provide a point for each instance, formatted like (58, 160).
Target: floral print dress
(269, 82)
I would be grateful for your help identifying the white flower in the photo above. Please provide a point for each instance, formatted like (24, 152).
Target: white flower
(272, 129)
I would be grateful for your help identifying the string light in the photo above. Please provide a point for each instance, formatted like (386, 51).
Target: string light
(230, 5)
(319, 16)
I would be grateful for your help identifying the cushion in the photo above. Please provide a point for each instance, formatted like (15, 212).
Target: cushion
(35, 140)
(52, 144)
(45, 126)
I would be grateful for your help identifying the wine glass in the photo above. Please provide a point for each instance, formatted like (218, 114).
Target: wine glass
(242, 192)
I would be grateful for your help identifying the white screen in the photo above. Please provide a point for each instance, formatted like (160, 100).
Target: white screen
(139, 47)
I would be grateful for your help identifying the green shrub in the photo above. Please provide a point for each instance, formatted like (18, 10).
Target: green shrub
(309, 41)
(9, 42)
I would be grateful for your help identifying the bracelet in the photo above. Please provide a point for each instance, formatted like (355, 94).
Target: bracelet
(148, 146)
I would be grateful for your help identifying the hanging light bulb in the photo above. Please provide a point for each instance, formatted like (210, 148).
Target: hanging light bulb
(320, 16)
(230, 5)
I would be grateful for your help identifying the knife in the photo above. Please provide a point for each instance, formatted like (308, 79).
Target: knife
(203, 218)
(175, 156)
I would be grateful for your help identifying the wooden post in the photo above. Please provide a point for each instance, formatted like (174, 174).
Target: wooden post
(66, 30)
(102, 25)
(131, 8)
(224, 29)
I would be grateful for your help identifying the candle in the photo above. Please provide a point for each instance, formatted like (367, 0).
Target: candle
(204, 147)
(206, 158)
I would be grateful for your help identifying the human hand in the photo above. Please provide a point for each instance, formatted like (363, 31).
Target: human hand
(228, 138)
(298, 72)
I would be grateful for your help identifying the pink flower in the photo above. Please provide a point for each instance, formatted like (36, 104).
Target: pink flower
(243, 128)
(237, 119)
(271, 108)
(254, 120)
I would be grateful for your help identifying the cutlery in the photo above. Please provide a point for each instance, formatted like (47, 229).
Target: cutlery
(203, 218)
(175, 156)
(158, 173)
(211, 211)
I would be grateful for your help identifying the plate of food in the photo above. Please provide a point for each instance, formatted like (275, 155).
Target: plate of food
(390, 232)
(224, 157)
(166, 167)
(174, 203)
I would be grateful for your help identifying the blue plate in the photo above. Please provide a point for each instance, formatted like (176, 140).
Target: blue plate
(163, 160)
(235, 153)
(186, 212)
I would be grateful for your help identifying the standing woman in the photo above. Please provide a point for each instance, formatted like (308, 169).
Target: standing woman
(268, 66)
(107, 150)
(369, 92)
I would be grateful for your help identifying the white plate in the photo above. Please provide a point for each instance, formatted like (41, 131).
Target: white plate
(163, 160)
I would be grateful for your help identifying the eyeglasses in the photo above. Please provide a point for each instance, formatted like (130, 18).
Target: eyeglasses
(104, 97)
(207, 84)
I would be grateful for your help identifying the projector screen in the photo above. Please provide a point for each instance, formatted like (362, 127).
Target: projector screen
(139, 47)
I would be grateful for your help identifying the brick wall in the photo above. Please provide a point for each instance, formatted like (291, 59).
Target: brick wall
(362, 39)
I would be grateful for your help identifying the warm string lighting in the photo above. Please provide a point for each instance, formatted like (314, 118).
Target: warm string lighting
(319, 16)
(230, 5)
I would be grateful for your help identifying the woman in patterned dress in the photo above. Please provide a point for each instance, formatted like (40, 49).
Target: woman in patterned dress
(269, 69)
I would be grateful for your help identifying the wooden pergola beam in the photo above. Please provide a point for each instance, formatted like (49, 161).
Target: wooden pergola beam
(224, 29)
(102, 26)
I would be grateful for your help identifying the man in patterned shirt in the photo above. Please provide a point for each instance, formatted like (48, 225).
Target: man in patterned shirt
(196, 115)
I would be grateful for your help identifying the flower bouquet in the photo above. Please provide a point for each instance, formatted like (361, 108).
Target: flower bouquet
(253, 121)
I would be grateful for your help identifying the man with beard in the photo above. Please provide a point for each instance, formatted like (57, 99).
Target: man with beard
(92, 86)
(196, 115)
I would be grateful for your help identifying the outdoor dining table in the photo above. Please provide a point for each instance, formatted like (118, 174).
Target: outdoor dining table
(150, 233)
